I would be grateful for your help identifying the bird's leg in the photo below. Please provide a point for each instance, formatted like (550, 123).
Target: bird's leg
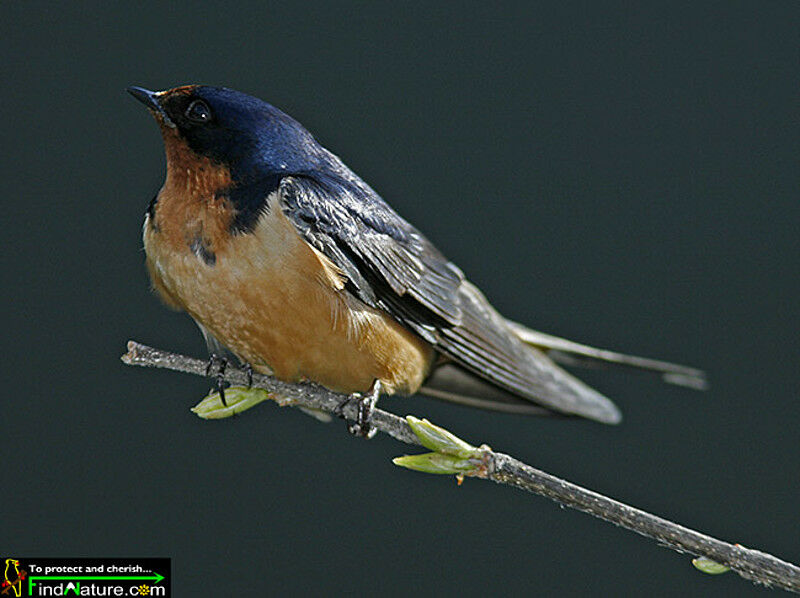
(366, 404)
(222, 364)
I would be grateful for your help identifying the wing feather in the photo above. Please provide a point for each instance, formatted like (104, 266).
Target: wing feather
(392, 266)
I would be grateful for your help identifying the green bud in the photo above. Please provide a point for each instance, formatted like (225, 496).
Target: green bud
(440, 440)
(436, 463)
(238, 399)
(706, 565)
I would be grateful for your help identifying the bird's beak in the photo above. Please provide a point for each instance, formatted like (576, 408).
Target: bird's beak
(150, 99)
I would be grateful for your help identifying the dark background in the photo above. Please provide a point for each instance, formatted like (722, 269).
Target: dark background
(624, 176)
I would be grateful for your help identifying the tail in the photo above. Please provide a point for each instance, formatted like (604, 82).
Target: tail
(570, 353)
(451, 382)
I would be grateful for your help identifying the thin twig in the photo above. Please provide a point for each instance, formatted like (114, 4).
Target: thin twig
(751, 564)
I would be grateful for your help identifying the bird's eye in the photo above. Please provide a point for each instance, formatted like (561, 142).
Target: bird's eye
(199, 112)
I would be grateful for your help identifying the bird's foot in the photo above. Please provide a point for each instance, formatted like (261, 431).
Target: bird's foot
(248, 370)
(366, 405)
(219, 377)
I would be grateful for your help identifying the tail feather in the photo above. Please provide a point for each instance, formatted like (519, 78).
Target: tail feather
(450, 382)
(571, 353)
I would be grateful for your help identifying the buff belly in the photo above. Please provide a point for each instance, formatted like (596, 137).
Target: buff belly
(280, 305)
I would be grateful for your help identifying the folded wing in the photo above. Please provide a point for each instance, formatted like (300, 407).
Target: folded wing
(392, 266)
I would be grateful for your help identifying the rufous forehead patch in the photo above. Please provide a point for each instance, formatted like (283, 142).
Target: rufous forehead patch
(181, 90)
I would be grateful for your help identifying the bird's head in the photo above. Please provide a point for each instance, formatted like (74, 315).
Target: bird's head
(247, 136)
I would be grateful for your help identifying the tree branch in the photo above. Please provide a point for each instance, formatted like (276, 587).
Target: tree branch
(751, 564)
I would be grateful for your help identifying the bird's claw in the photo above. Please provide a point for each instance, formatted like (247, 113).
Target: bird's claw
(221, 363)
(366, 405)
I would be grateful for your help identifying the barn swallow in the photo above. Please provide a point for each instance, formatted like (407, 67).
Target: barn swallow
(288, 260)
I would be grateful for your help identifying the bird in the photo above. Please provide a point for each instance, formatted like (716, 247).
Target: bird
(289, 261)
